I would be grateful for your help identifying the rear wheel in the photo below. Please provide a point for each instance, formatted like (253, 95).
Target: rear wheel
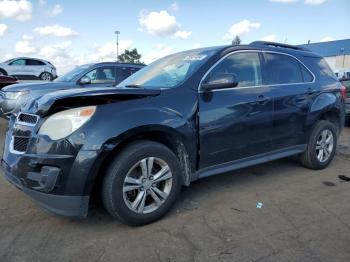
(142, 183)
(321, 147)
(46, 76)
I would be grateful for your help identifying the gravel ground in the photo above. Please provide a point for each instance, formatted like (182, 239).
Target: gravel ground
(305, 216)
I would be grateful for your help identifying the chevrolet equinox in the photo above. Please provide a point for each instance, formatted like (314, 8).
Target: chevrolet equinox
(186, 116)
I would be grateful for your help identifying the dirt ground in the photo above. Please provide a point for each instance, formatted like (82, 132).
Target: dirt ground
(305, 216)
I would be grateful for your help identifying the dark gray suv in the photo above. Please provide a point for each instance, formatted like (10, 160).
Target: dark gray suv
(107, 74)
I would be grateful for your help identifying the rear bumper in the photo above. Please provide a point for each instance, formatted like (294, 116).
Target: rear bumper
(65, 205)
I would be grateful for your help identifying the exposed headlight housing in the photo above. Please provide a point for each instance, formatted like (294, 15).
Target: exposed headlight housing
(64, 123)
(12, 95)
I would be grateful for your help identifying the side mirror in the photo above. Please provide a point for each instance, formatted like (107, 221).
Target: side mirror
(221, 81)
(85, 80)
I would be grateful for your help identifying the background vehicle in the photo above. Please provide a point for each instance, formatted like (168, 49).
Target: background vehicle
(346, 83)
(28, 68)
(90, 75)
(7, 80)
(186, 116)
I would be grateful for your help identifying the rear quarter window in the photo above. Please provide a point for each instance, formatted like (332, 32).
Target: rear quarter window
(321, 67)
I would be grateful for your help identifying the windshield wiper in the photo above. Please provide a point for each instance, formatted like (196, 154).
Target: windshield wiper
(132, 85)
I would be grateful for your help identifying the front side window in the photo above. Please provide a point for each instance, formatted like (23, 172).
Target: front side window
(73, 74)
(18, 62)
(282, 69)
(245, 66)
(100, 75)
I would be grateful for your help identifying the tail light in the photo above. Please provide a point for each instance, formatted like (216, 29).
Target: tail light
(343, 92)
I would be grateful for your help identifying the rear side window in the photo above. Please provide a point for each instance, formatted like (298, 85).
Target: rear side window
(33, 62)
(283, 69)
(245, 66)
(321, 66)
(125, 72)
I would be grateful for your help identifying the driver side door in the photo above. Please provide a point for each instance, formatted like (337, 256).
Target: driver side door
(236, 122)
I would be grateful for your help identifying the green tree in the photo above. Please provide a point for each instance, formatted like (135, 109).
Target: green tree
(130, 56)
(237, 40)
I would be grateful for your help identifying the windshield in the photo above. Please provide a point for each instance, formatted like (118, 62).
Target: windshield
(71, 75)
(169, 71)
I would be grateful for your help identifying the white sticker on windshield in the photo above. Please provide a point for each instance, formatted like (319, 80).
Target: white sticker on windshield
(194, 57)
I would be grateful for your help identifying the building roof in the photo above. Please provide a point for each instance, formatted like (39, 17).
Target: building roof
(331, 48)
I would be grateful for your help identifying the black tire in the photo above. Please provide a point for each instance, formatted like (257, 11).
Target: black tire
(3, 72)
(309, 157)
(48, 76)
(112, 186)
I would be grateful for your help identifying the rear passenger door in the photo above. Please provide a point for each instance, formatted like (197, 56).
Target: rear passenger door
(34, 67)
(293, 88)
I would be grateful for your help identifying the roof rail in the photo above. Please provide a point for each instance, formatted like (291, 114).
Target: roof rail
(266, 43)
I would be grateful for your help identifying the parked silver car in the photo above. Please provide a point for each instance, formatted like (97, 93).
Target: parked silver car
(28, 68)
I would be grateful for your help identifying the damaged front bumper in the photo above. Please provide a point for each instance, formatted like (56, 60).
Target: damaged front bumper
(53, 173)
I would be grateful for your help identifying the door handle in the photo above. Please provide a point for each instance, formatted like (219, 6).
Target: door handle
(261, 99)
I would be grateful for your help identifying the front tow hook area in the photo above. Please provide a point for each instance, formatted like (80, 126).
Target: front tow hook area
(46, 178)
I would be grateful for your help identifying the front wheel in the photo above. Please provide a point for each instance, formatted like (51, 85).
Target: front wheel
(46, 76)
(142, 183)
(321, 147)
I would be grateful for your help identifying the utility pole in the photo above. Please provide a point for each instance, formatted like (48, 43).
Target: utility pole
(117, 33)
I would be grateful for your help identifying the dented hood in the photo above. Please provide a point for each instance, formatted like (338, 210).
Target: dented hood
(56, 101)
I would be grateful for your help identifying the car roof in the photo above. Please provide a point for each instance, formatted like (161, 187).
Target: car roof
(273, 47)
(118, 64)
(33, 58)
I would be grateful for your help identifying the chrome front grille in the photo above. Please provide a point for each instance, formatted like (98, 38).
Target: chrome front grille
(27, 119)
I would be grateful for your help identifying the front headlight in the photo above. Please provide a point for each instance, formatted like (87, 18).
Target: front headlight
(64, 123)
(12, 95)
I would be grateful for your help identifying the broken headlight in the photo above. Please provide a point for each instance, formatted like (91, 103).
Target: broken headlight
(64, 123)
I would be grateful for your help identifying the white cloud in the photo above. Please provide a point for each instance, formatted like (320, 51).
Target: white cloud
(19, 10)
(158, 23)
(174, 7)
(160, 51)
(240, 29)
(182, 34)
(56, 50)
(270, 38)
(27, 37)
(56, 30)
(42, 2)
(3, 29)
(284, 1)
(108, 51)
(314, 2)
(327, 39)
(25, 46)
(56, 11)
(161, 24)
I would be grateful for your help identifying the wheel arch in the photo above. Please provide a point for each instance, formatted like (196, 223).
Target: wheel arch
(2, 69)
(162, 134)
(327, 106)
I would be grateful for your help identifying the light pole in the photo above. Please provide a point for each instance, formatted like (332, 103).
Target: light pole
(117, 33)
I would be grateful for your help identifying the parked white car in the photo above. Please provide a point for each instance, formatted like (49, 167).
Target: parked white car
(28, 68)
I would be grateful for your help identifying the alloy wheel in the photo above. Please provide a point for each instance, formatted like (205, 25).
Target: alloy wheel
(147, 185)
(324, 145)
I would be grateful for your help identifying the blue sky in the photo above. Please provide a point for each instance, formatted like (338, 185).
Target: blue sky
(75, 32)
